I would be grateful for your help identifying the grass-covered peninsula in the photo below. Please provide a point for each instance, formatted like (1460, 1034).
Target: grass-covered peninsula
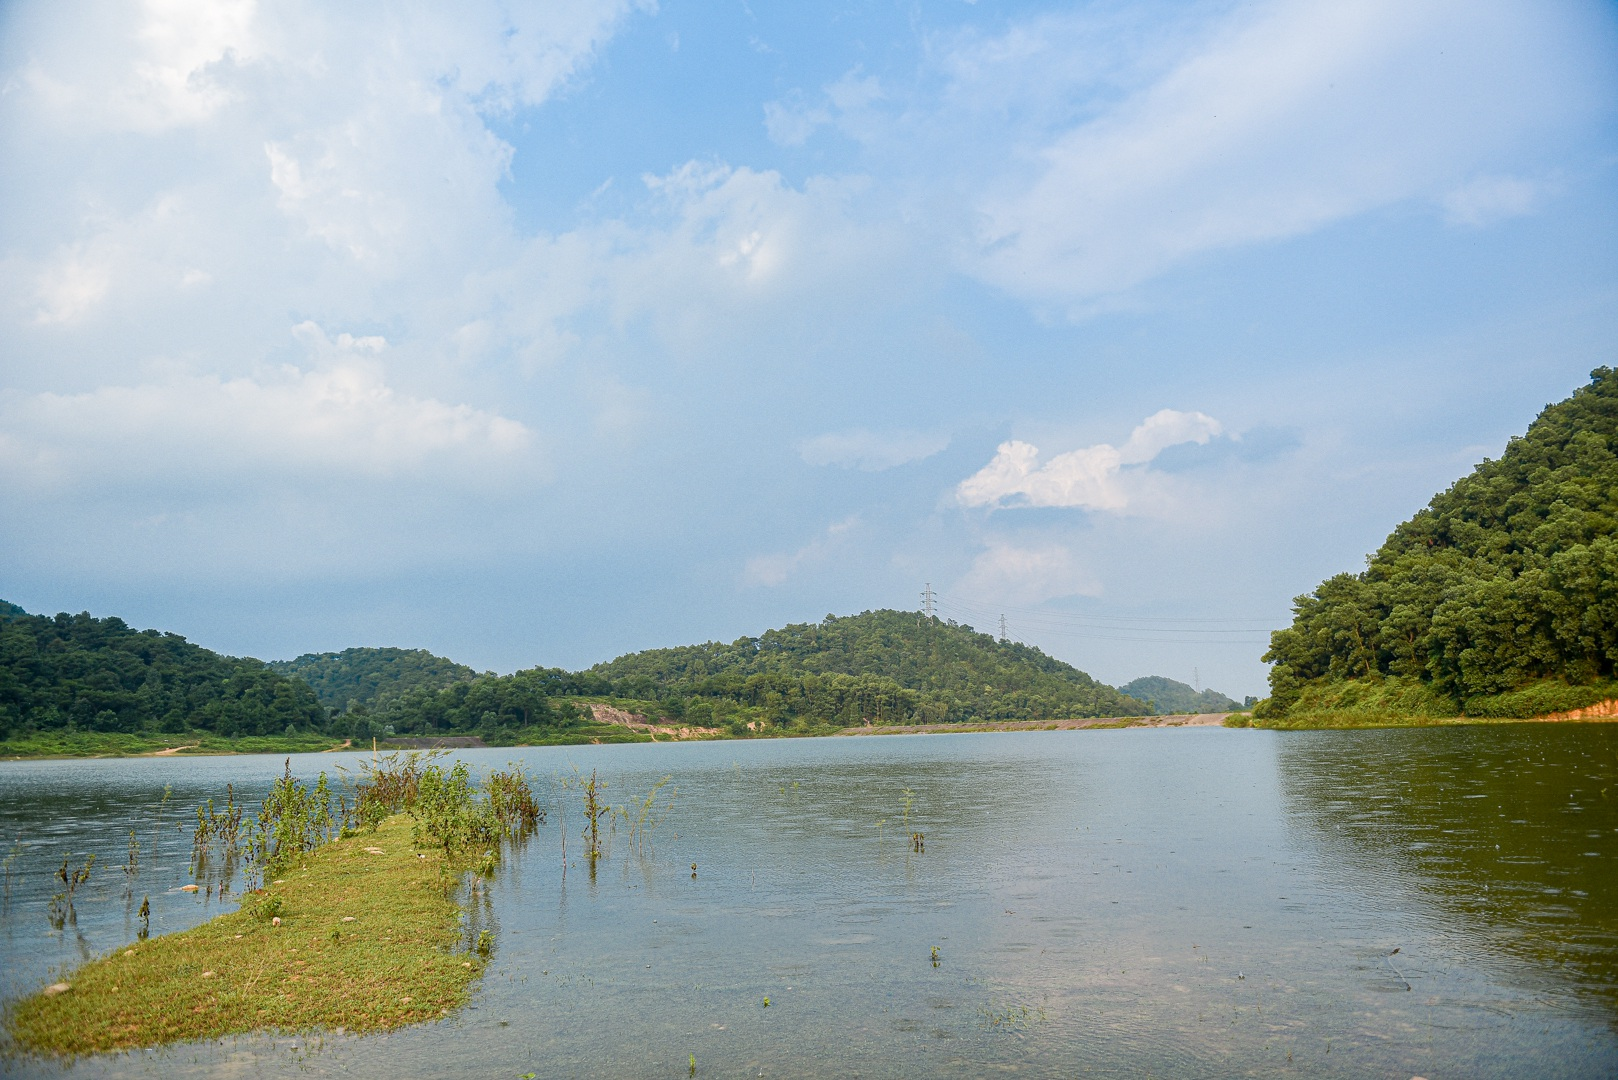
(358, 925)
(367, 940)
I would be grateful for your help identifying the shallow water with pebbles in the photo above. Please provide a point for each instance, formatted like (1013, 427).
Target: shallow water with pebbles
(1200, 902)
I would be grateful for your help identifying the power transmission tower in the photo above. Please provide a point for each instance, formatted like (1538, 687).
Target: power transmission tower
(928, 600)
(1002, 628)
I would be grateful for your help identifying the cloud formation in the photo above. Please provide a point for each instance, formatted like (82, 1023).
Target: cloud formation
(1009, 573)
(772, 570)
(870, 451)
(337, 421)
(1273, 122)
(1099, 477)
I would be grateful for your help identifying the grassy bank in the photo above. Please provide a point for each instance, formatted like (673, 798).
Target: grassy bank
(366, 942)
(1342, 719)
(84, 744)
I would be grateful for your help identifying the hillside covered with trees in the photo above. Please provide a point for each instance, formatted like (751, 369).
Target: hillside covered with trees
(1500, 598)
(80, 673)
(77, 673)
(886, 667)
(1167, 696)
(370, 677)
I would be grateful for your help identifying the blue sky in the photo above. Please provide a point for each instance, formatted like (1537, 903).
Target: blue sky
(538, 333)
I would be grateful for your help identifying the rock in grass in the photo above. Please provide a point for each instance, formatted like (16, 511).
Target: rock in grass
(57, 988)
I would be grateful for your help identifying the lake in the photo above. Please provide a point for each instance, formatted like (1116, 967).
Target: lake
(1438, 902)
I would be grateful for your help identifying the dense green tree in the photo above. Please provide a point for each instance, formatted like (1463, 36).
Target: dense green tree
(1507, 580)
(371, 677)
(77, 672)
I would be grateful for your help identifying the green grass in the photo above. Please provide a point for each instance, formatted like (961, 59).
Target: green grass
(43, 744)
(400, 961)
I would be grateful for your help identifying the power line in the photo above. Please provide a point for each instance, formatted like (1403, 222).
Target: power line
(1053, 624)
(1067, 622)
(1253, 623)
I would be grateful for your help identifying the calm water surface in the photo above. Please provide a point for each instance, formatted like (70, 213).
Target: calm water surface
(1111, 903)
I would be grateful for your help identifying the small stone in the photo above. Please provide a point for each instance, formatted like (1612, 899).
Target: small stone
(238, 937)
(276, 921)
(466, 963)
(131, 952)
(57, 988)
(207, 974)
(348, 918)
(279, 881)
(374, 851)
(404, 1001)
(188, 888)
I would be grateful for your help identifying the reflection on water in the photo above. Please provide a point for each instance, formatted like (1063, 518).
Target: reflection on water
(1506, 837)
(1174, 902)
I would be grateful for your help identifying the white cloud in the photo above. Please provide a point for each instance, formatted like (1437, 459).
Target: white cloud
(1010, 574)
(1100, 477)
(338, 421)
(1282, 119)
(1488, 199)
(772, 570)
(870, 451)
(790, 123)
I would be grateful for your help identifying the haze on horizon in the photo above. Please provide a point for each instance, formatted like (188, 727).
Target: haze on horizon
(539, 333)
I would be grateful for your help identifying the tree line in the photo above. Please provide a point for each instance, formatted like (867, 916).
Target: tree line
(1499, 598)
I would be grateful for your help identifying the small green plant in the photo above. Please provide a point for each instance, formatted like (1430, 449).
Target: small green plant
(935, 956)
(910, 797)
(691, 1069)
(267, 908)
(766, 1001)
(61, 909)
(918, 842)
(485, 944)
(647, 817)
(145, 917)
(294, 820)
(131, 865)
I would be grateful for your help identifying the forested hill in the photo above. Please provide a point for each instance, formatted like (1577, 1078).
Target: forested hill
(1167, 696)
(882, 666)
(370, 677)
(80, 673)
(1500, 598)
(885, 667)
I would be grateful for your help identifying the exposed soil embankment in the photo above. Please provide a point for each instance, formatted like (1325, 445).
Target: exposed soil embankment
(1178, 720)
(1601, 710)
(607, 714)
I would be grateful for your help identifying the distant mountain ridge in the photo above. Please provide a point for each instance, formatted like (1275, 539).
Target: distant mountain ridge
(930, 671)
(78, 672)
(1170, 696)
